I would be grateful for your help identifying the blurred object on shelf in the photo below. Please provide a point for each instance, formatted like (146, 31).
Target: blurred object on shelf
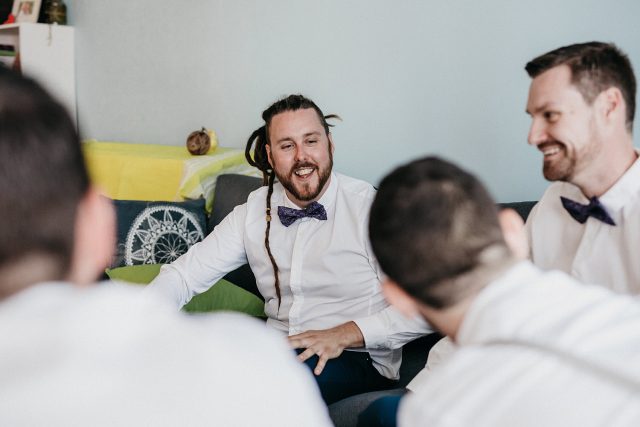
(5, 11)
(56, 12)
(26, 10)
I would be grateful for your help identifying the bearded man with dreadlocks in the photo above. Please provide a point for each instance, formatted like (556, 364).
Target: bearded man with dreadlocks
(304, 235)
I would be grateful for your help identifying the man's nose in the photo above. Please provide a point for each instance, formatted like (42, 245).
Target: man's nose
(537, 133)
(302, 153)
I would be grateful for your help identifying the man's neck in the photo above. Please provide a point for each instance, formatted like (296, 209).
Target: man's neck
(302, 204)
(27, 271)
(449, 320)
(611, 166)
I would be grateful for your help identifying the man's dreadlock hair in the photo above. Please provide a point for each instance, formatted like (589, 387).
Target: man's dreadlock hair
(260, 160)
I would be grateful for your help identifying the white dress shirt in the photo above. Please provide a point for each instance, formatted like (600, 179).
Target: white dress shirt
(438, 354)
(328, 274)
(592, 252)
(537, 349)
(105, 356)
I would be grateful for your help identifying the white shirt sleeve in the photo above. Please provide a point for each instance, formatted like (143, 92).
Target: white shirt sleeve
(205, 263)
(389, 329)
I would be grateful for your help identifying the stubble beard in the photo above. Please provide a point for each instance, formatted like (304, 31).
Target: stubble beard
(572, 163)
(561, 169)
(576, 161)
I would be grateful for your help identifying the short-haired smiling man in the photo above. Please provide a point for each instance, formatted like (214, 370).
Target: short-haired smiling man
(582, 105)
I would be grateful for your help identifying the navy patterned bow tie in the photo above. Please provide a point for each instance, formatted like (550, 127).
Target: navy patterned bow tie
(289, 215)
(581, 212)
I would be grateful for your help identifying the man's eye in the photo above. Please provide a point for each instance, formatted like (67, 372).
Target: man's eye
(551, 116)
(312, 141)
(286, 146)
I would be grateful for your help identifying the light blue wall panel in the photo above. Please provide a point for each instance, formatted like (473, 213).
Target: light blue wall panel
(409, 78)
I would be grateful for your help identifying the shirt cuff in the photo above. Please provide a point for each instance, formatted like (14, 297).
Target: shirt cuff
(375, 330)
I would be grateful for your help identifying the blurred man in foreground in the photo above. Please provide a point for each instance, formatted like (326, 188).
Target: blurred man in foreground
(76, 354)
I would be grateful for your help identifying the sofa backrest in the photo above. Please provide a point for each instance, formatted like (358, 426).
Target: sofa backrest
(523, 208)
(232, 190)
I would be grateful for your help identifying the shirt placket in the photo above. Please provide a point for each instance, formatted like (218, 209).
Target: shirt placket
(297, 258)
(583, 256)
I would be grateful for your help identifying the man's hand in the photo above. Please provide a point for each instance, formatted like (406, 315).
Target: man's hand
(327, 344)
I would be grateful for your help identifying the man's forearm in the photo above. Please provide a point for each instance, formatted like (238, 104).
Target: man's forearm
(351, 335)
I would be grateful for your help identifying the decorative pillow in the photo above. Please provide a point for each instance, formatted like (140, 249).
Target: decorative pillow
(223, 295)
(157, 232)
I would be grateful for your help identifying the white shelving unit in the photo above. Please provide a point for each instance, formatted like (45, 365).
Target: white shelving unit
(47, 54)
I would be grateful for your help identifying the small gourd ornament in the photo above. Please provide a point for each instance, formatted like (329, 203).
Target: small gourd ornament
(200, 142)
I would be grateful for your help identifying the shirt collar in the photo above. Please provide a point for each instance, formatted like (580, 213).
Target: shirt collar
(485, 314)
(624, 190)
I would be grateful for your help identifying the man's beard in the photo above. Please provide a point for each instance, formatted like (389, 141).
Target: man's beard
(571, 163)
(559, 170)
(575, 158)
(306, 193)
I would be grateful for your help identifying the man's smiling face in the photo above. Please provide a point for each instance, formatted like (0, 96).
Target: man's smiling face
(563, 125)
(301, 154)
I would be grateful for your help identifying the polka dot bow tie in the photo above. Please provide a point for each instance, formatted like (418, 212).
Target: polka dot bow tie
(581, 212)
(289, 215)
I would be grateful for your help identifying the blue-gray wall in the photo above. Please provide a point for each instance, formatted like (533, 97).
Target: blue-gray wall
(408, 77)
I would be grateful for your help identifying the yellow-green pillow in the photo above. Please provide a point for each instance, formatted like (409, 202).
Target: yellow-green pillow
(222, 296)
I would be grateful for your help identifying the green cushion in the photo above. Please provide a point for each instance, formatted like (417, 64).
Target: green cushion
(223, 295)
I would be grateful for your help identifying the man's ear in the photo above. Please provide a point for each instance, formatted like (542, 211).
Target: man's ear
(267, 148)
(397, 297)
(514, 234)
(95, 238)
(331, 146)
(610, 103)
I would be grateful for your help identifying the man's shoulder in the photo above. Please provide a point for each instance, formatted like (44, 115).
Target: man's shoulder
(355, 187)
(261, 192)
(550, 204)
(100, 325)
(258, 197)
(121, 314)
(559, 188)
(63, 298)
